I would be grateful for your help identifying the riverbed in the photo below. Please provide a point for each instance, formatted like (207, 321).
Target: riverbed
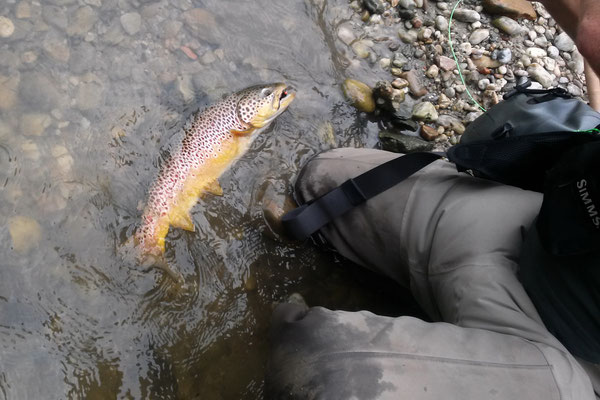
(93, 96)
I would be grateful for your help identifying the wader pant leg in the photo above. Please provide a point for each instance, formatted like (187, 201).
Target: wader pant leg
(454, 241)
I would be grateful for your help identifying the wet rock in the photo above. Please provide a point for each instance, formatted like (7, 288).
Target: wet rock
(510, 8)
(407, 4)
(415, 86)
(131, 22)
(478, 36)
(399, 60)
(360, 94)
(424, 111)
(466, 15)
(446, 63)
(451, 122)
(34, 124)
(346, 34)
(410, 36)
(202, 23)
(542, 76)
(361, 49)
(374, 6)
(57, 48)
(23, 10)
(429, 133)
(326, 134)
(170, 29)
(399, 83)
(508, 25)
(388, 97)
(274, 207)
(185, 88)
(89, 96)
(564, 42)
(25, 233)
(7, 28)
(83, 58)
(29, 57)
(441, 23)
(64, 161)
(8, 91)
(82, 21)
(399, 143)
(30, 150)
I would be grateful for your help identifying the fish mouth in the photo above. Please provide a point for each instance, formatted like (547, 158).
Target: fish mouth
(286, 95)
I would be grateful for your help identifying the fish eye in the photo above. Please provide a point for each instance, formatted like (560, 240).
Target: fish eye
(266, 92)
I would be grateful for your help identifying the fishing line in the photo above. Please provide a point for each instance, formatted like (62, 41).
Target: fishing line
(456, 59)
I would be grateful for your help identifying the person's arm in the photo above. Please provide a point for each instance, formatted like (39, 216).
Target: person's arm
(580, 19)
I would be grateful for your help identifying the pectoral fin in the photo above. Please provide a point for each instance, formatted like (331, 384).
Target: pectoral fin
(183, 221)
(245, 132)
(215, 188)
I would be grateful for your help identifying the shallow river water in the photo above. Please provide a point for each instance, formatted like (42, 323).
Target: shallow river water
(93, 94)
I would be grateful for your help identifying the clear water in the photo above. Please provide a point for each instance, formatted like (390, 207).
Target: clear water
(87, 112)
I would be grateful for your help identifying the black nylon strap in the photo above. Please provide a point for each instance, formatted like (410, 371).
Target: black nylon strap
(305, 220)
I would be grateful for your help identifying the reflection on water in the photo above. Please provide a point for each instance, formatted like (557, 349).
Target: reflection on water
(93, 94)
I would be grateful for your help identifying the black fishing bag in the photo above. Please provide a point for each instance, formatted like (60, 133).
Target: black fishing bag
(515, 142)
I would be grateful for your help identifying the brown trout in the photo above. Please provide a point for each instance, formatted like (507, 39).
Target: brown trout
(213, 141)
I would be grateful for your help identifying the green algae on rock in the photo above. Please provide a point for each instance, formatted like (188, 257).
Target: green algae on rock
(360, 94)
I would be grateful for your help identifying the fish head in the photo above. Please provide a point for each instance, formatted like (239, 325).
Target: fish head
(259, 105)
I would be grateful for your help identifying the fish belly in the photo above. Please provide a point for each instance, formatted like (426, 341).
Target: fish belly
(183, 191)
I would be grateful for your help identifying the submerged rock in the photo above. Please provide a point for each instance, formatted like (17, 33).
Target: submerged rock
(25, 233)
(360, 94)
(34, 124)
(399, 143)
(82, 21)
(7, 28)
(202, 23)
(8, 91)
